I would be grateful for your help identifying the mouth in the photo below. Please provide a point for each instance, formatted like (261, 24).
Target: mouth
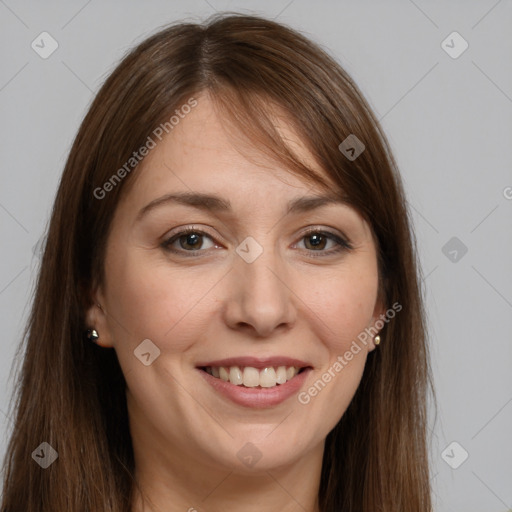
(256, 383)
(252, 377)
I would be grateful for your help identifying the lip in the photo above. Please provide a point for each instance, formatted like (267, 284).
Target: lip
(256, 398)
(256, 362)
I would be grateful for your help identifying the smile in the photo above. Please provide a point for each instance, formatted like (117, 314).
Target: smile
(263, 389)
(251, 377)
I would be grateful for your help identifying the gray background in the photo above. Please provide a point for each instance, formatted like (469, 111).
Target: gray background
(449, 121)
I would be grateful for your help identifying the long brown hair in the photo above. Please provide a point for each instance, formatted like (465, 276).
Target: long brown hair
(71, 393)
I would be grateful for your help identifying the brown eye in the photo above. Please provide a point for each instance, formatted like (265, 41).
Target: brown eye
(188, 240)
(191, 241)
(316, 241)
(324, 243)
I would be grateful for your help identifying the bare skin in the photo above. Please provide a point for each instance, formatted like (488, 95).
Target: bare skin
(297, 299)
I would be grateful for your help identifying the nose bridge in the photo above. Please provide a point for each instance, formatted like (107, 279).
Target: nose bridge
(259, 295)
(261, 277)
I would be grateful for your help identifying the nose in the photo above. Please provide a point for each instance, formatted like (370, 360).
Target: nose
(260, 299)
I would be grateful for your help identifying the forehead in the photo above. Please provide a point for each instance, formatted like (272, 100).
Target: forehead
(207, 147)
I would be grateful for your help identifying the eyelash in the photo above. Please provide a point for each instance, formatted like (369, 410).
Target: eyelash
(343, 245)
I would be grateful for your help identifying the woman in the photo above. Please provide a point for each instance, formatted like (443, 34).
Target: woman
(228, 310)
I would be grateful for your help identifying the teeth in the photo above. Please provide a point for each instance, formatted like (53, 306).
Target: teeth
(282, 375)
(223, 374)
(252, 377)
(235, 375)
(268, 377)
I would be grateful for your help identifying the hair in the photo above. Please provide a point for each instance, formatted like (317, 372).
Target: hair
(70, 393)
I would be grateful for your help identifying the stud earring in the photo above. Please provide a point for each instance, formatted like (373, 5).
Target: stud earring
(92, 335)
(376, 340)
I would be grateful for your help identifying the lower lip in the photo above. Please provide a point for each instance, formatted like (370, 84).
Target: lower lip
(257, 398)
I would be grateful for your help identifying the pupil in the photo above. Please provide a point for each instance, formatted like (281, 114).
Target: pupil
(317, 240)
(192, 239)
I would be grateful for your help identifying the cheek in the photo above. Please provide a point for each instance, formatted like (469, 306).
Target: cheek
(152, 300)
(342, 303)
(341, 308)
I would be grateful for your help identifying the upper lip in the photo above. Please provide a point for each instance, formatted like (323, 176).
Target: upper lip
(256, 362)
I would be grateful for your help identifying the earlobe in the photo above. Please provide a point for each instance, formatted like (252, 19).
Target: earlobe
(378, 322)
(375, 342)
(97, 323)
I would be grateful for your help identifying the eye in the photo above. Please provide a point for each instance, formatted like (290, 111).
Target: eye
(188, 240)
(317, 240)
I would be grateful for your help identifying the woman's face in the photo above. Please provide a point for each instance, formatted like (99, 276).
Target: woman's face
(247, 282)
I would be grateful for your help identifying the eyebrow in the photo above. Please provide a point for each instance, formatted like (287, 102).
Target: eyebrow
(213, 203)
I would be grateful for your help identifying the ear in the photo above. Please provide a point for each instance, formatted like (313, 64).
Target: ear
(378, 317)
(96, 317)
